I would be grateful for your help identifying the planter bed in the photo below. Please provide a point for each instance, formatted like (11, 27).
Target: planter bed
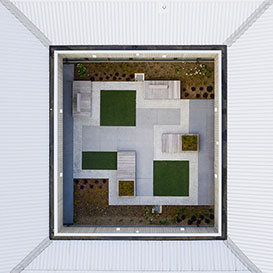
(91, 208)
(126, 188)
(197, 78)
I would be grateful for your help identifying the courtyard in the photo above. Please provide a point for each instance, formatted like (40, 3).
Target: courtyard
(152, 131)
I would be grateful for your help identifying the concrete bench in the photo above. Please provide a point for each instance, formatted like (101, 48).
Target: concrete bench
(126, 170)
(81, 103)
(126, 166)
(162, 90)
(172, 143)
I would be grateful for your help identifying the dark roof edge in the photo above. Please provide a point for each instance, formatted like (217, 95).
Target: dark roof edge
(241, 256)
(26, 22)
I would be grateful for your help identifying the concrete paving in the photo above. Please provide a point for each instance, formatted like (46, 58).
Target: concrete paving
(149, 117)
(139, 139)
(68, 72)
(153, 117)
(202, 123)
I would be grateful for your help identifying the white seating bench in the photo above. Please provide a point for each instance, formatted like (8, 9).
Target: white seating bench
(162, 90)
(172, 143)
(81, 105)
(126, 170)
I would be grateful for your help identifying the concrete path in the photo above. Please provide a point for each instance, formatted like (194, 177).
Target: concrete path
(68, 72)
(202, 123)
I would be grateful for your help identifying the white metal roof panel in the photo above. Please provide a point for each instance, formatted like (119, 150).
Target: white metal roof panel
(111, 271)
(138, 256)
(137, 22)
(24, 141)
(250, 145)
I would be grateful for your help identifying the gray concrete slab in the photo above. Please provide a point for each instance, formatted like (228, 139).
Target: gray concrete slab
(144, 164)
(126, 133)
(139, 139)
(108, 133)
(146, 118)
(108, 146)
(145, 150)
(126, 145)
(91, 138)
(144, 187)
(168, 117)
(202, 123)
(68, 194)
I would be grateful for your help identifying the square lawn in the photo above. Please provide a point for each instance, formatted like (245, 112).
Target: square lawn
(118, 108)
(171, 178)
(99, 160)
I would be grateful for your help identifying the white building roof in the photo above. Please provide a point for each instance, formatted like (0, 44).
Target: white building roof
(24, 123)
(24, 141)
(137, 22)
(137, 256)
(250, 146)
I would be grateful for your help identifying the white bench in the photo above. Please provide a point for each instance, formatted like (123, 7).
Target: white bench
(81, 105)
(162, 90)
(172, 143)
(126, 170)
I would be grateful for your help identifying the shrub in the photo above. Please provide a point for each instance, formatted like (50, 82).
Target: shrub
(178, 220)
(82, 70)
(193, 218)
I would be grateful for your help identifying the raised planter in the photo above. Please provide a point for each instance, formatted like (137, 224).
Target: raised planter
(126, 188)
(190, 143)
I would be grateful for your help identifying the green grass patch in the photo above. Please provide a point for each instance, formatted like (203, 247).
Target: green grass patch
(118, 108)
(99, 160)
(171, 178)
(126, 188)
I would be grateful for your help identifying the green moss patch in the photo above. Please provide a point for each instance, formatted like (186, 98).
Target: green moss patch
(118, 108)
(99, 160)
(126, 188)
(171, 178)
(190, 142)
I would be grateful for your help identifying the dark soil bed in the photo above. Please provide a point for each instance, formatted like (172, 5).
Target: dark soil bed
(91, 208)
(197, 78)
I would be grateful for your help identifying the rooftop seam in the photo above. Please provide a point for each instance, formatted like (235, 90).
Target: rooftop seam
(248, 23)
(26, 22)
(32, 256)
(241, 256)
